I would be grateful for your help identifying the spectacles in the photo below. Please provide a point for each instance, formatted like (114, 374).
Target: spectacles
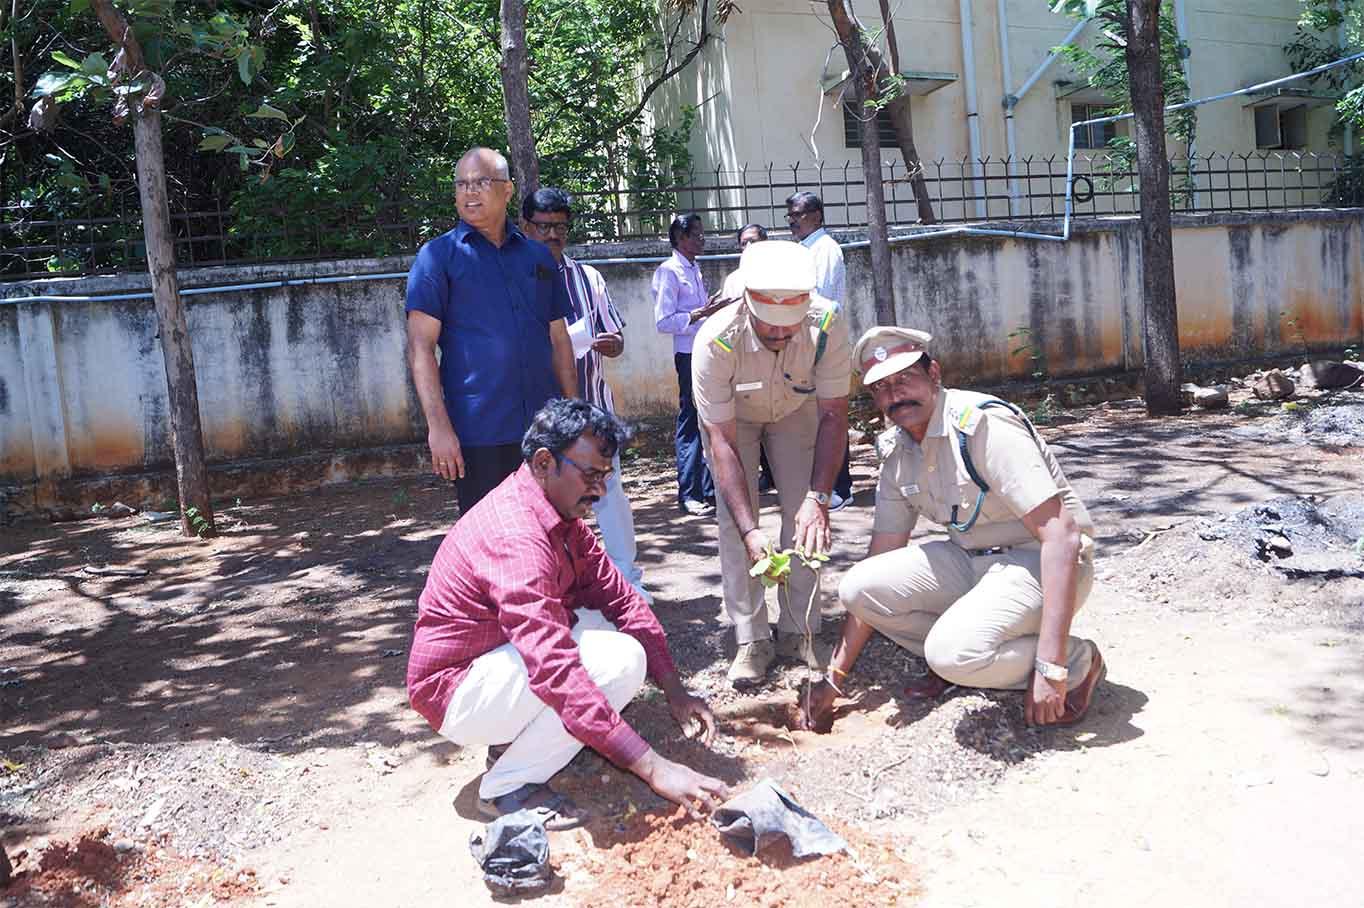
(478, 184)
(591, 477)
(796, 215)
(555, 227)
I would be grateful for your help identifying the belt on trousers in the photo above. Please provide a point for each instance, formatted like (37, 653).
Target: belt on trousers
(992, 550)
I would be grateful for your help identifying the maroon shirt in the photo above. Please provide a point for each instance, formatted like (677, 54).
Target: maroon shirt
(512, 571)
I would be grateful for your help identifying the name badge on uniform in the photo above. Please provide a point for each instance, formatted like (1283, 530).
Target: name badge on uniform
(749, 386)
(909, 490)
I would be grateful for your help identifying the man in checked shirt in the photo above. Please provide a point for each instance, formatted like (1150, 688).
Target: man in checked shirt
(546, 215)
(530, 641)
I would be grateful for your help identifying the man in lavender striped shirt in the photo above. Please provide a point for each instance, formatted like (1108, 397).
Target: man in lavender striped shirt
(680, 306)
(595, 331)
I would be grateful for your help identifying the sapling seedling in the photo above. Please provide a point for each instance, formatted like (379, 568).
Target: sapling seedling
(774, 569)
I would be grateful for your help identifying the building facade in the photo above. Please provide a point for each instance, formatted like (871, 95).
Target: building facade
(773, 105)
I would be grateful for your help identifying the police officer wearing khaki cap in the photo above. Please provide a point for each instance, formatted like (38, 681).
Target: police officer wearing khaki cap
(771, 372)
(992, 605)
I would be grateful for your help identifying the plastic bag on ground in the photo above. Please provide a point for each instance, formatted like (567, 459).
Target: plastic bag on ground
(766, 813)
(513, 852)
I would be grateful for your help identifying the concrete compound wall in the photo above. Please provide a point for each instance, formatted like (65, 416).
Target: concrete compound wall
(308, 383)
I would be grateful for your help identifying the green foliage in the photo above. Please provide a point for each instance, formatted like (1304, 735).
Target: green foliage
(334, 119)
(1293, 324)
(1330, 30)
(775, 568)
(1105, 68)
(1026, 343)
(198, 522)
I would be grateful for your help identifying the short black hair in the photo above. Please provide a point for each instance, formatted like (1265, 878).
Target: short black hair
(682, 224)
(762, 231)
(547, 200)
(561, 422)
(807, 201)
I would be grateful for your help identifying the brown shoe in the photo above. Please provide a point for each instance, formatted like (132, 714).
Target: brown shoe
(930, 687)
(1078, 700)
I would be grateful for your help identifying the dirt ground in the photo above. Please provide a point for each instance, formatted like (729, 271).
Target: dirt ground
(224, 721)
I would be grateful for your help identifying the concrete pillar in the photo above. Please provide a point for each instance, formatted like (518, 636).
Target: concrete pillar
(43, 383)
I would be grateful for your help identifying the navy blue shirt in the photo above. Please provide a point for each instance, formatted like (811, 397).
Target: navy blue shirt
(495, 306)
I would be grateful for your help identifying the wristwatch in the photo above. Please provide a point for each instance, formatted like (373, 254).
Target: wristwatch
(821, 498)
(1051, 671)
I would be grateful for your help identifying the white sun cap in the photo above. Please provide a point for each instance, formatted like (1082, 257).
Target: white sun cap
(778, 277)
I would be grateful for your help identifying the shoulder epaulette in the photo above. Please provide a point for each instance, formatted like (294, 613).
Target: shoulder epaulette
(885, 443)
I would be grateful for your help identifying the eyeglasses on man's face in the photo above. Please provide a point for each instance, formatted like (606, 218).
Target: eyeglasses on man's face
(478, 184)
(793, 216)
(591, 477)
(558, 228)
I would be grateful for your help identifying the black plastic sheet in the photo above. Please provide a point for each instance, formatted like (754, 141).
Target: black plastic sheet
(766, 813)
(513, 852)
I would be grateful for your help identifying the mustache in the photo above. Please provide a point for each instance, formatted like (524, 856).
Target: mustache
(902, 403)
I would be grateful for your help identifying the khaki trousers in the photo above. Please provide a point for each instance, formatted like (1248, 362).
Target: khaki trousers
(974, 619)
(790, 447)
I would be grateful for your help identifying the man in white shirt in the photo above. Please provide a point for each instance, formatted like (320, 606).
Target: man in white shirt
(805, 217)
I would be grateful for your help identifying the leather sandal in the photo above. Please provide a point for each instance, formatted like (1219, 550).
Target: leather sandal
(930, 687)
(1078, 700)
(495, 753)
(556, 811)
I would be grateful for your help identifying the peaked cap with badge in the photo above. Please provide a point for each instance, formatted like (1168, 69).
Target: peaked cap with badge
(884, 350)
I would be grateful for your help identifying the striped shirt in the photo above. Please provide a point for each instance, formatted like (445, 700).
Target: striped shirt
(595, 315)
(513, 571)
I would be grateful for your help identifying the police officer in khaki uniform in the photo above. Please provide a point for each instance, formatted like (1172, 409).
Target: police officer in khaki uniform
(992, 605)
(771, 372)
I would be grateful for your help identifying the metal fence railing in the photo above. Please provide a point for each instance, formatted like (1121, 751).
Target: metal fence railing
(39, 239)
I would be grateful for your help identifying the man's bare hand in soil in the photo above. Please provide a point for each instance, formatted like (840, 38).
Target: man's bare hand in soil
(1048, 702)
(699, 794)
(817, 707)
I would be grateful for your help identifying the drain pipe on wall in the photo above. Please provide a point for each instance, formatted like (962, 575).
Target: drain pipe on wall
(968, 63)
(1006, 74)
(1347, 139)
(1182, 29)
(1011, 99)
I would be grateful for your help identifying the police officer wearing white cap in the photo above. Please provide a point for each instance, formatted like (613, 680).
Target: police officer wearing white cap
(992, 605)
(772, 372)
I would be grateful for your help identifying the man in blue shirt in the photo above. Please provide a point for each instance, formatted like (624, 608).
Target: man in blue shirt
(491, 300)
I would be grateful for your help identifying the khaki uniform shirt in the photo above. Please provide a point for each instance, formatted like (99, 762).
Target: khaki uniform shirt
(930, 478)
(734, 377)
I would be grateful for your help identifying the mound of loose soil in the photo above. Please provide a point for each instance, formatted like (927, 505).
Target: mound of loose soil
(92, 870)
(657, 858)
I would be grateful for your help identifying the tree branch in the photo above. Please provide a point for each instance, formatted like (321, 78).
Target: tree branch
(621, 122)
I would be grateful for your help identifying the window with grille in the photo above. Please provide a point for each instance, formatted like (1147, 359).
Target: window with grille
(852, 127)
(1095, 135)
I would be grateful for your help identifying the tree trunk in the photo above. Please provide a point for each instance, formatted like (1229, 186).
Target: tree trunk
(883, 291)
(187, 439)
(904, 135)
(515, 68)
(903, 119)
(1160, 321)
(191, 473)
(849, 30)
